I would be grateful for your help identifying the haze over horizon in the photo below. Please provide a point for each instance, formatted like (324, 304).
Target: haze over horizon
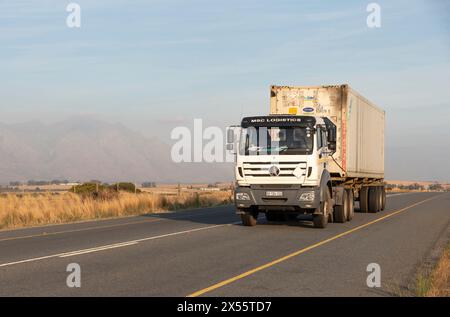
(83, 148)
(153, 66)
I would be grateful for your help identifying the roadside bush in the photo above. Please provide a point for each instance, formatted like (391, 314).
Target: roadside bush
(93, 190)
(103, 191)
(126, 187)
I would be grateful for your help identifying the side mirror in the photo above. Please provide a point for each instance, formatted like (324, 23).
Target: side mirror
(332, 146)
(331, 134)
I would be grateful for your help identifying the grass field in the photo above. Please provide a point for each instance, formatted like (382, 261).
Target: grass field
(439, 285)
(435, 281)
(21, 210)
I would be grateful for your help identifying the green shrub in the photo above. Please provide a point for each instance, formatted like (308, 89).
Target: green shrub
(103, 191)
(126, 187)
(88, 188)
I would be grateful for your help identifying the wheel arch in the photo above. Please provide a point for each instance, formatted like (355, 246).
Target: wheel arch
(325, 181)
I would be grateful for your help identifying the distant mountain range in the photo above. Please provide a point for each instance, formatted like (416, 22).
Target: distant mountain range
(82, 149)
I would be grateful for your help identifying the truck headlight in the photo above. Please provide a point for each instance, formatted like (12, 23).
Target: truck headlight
(242, 196)
(307, 196)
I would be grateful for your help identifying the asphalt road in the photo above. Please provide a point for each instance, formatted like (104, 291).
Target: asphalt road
(206, 252)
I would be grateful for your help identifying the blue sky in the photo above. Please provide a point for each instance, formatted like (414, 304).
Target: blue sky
(155, 64)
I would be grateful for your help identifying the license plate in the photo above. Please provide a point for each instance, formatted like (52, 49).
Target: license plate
(274, 194)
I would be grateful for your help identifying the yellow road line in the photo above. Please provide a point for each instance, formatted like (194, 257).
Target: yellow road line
(284, 258)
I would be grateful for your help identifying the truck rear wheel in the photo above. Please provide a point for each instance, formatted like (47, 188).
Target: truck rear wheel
(383, 198)
(351, 204)
(374, 199)
(321, 220)
(380, 198)
(249, 218)
(364, 199)
(340, 211)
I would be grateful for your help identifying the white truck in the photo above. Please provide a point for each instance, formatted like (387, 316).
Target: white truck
(320, 149)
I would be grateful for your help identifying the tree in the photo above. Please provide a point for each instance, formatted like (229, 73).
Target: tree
(436, 187)
(149, 184)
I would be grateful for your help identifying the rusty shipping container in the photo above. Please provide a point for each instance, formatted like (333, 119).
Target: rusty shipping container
(360, 125)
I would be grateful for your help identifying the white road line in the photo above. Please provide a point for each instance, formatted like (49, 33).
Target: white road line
(28, 260)
(154, 217)
(106, 247)
(113, 246)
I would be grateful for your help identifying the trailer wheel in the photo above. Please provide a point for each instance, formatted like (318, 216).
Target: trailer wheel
(374, 199)
(249, 218)
(351, 204)
(364, 199)
(383, 198)
(340, 211)
(321, 220)
(380, 198)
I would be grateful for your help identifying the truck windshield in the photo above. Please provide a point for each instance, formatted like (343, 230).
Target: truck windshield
(276, 141)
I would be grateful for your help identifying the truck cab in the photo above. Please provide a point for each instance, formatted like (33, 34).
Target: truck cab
(282, 166)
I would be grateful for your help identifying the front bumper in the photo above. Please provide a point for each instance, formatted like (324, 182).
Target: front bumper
(259, 195)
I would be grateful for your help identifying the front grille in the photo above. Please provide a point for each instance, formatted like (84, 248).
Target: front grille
(261, 169)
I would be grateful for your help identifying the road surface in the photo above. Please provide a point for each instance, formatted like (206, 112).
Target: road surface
(206, 252)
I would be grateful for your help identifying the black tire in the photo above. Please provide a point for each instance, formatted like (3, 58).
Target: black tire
(374, 199)
(383, 198)
(364, 199)
(380, 198)
(351, 204)
(249, 219)
(321, 220)
(340, 211)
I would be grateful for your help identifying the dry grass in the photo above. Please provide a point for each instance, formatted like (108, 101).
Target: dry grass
(39, 209)
(439, 285)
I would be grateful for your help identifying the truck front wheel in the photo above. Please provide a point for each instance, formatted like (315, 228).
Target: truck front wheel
(249, 218)
(320, 220)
